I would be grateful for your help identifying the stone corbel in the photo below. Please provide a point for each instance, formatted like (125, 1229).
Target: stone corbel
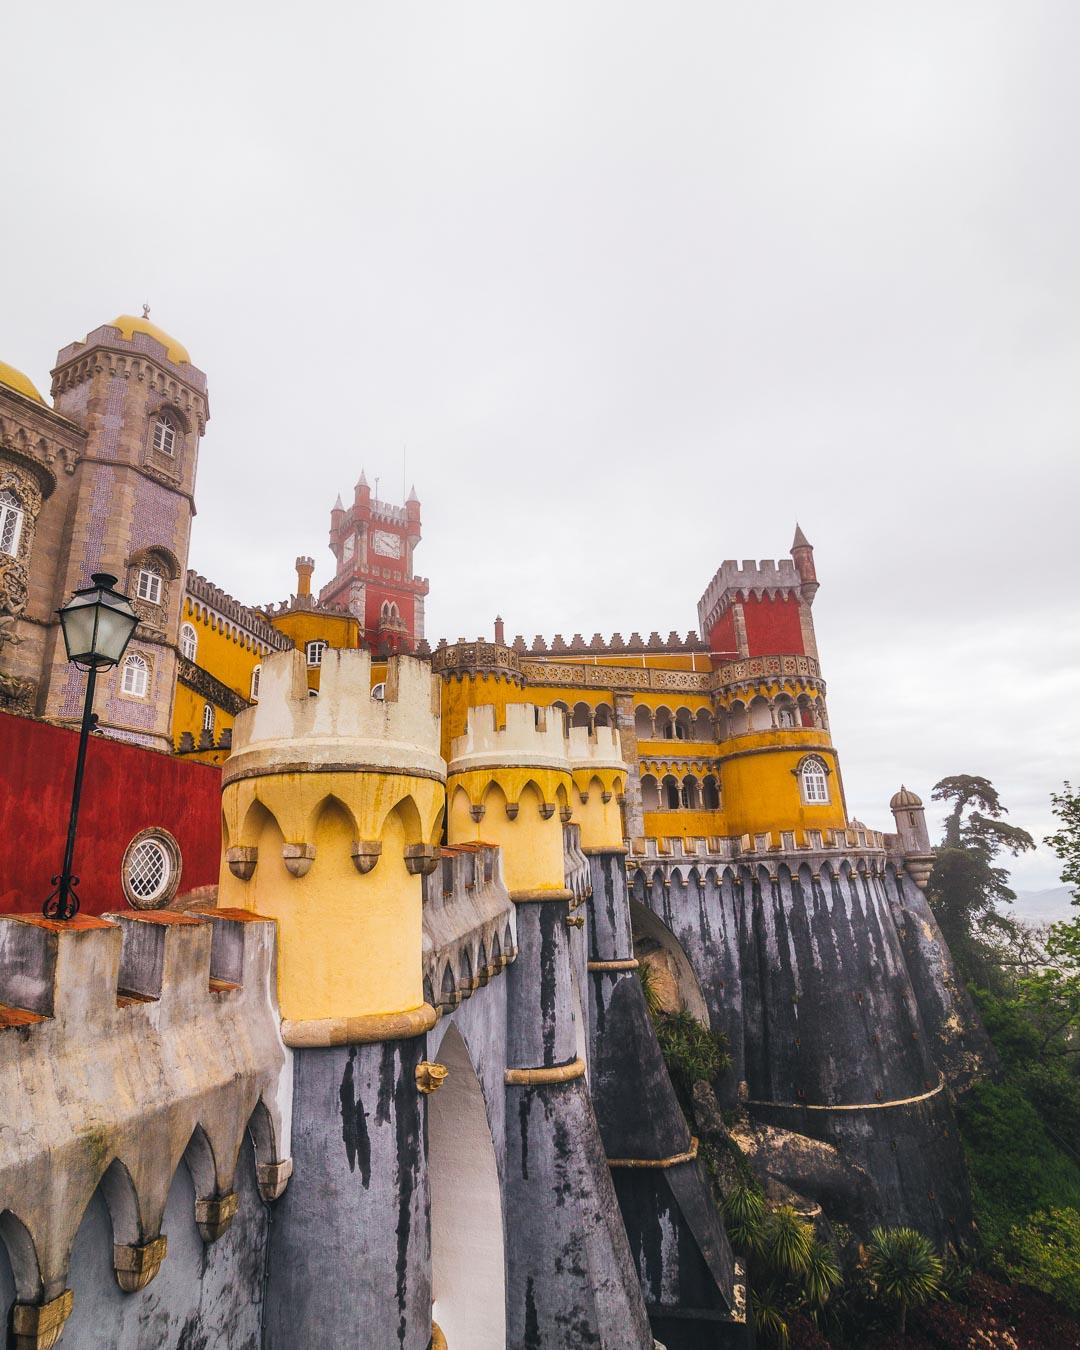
(512, 809)
(365, 854)
(273, 1178)
(37, 1326)
(575, 921)
(584, 798)
(421, 859)
(565, 814)
(605, 797)
(242, 861)
(547, 810)
(213, 1216)
(298, 858)
(136, 1264)
(430, 1076)
(477, 813)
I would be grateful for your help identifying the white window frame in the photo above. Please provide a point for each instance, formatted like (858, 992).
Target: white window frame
(378, 692)
(12, 518)
(209, 718)
(814, 782)
(135, 678)
(256, 676)
(189, 642)
(149, 586)
(165, 437)
(313, 651)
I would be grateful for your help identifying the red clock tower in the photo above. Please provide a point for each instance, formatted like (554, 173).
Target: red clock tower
(373, 544)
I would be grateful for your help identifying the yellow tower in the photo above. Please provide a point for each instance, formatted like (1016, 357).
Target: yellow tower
(332, 805)
(510, 783)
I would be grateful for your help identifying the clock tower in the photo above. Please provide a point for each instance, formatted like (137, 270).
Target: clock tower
(372, 543)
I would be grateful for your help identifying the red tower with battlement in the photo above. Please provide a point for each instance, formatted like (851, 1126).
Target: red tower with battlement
(372, 542)
(762, 608)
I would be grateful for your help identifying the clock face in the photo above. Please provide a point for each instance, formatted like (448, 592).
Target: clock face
(389, 545)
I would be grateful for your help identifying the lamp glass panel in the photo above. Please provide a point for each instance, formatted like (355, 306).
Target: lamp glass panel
(78, 619)
(115, 627)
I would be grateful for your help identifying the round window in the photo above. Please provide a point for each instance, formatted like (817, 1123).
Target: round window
(151, 869)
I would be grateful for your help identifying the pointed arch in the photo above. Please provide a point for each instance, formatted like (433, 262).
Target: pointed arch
(468, 1260)
(656, 946)
(22, 1256)
(328, 815)
(201, 1163)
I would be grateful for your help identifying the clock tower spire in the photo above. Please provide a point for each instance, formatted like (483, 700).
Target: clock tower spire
(372, 542)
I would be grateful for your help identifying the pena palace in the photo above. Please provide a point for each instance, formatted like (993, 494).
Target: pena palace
(726, 733)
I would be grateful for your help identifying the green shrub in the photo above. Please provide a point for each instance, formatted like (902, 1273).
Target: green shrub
(1045, 1253)
(904, 1269)
(691, 1051)
(1015, 1166)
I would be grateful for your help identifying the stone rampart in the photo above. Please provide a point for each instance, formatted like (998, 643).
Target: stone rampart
(127, 1044)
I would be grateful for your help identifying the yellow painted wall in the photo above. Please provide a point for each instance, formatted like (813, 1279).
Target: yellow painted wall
(305, 625)
(229, 659)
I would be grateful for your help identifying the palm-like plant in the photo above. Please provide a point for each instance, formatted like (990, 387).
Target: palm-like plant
(744, 1212)
(821, 1276)
(904, 1269)
(768, 1310)
(787, 1242)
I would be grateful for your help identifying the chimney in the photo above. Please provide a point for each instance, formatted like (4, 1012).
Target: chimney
(500, 636)
(304, 569)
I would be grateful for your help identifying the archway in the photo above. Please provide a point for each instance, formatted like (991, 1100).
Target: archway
(468, 1263)
(673, 977)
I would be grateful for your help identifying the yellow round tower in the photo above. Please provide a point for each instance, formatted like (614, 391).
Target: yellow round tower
(332, 806)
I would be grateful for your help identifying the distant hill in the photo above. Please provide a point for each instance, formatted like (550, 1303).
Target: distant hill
(1047, 906)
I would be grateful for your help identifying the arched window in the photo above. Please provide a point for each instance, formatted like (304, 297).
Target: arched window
(255, 676)
(785, 715)
(11, 522)
(670, 793)
(208, 717)
(688, 793)
(389, 610)
(136, 677)
(378, 691)
(148, 586)
(189, 642)
(814, 778)
(164, 436)
(710, 791)
(314, 650)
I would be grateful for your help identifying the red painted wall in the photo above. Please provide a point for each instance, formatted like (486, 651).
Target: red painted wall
(772, 626)
(376, 594)
(722, 638)
(126, 789)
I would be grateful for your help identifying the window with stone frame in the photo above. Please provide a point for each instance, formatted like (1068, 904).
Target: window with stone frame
(209, 717)
(256, 676)
(135, 679)
(814, 780)
(189, 642)
(148, 585)
(165, 437)
(12, 516)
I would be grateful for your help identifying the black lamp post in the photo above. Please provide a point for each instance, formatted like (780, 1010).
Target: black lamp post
(98, 623)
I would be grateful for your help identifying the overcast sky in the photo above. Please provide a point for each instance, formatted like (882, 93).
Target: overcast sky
(634, 287)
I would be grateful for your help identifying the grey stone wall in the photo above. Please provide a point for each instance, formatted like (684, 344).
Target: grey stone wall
(803, 968)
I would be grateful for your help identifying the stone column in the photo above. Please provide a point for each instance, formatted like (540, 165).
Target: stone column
(634, 818)
(349, 1261)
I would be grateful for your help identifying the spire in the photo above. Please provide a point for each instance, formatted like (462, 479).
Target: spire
(362, 480)
(800, 540)
(412, 497)
(339, 505)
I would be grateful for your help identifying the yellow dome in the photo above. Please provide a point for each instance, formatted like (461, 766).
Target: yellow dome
(15, 379)
(129, 325)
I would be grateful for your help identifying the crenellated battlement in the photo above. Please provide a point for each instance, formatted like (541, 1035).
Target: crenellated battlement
(530, 736)
(735, 581)
(130, 1042)
(344, 725)
(470, 924)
